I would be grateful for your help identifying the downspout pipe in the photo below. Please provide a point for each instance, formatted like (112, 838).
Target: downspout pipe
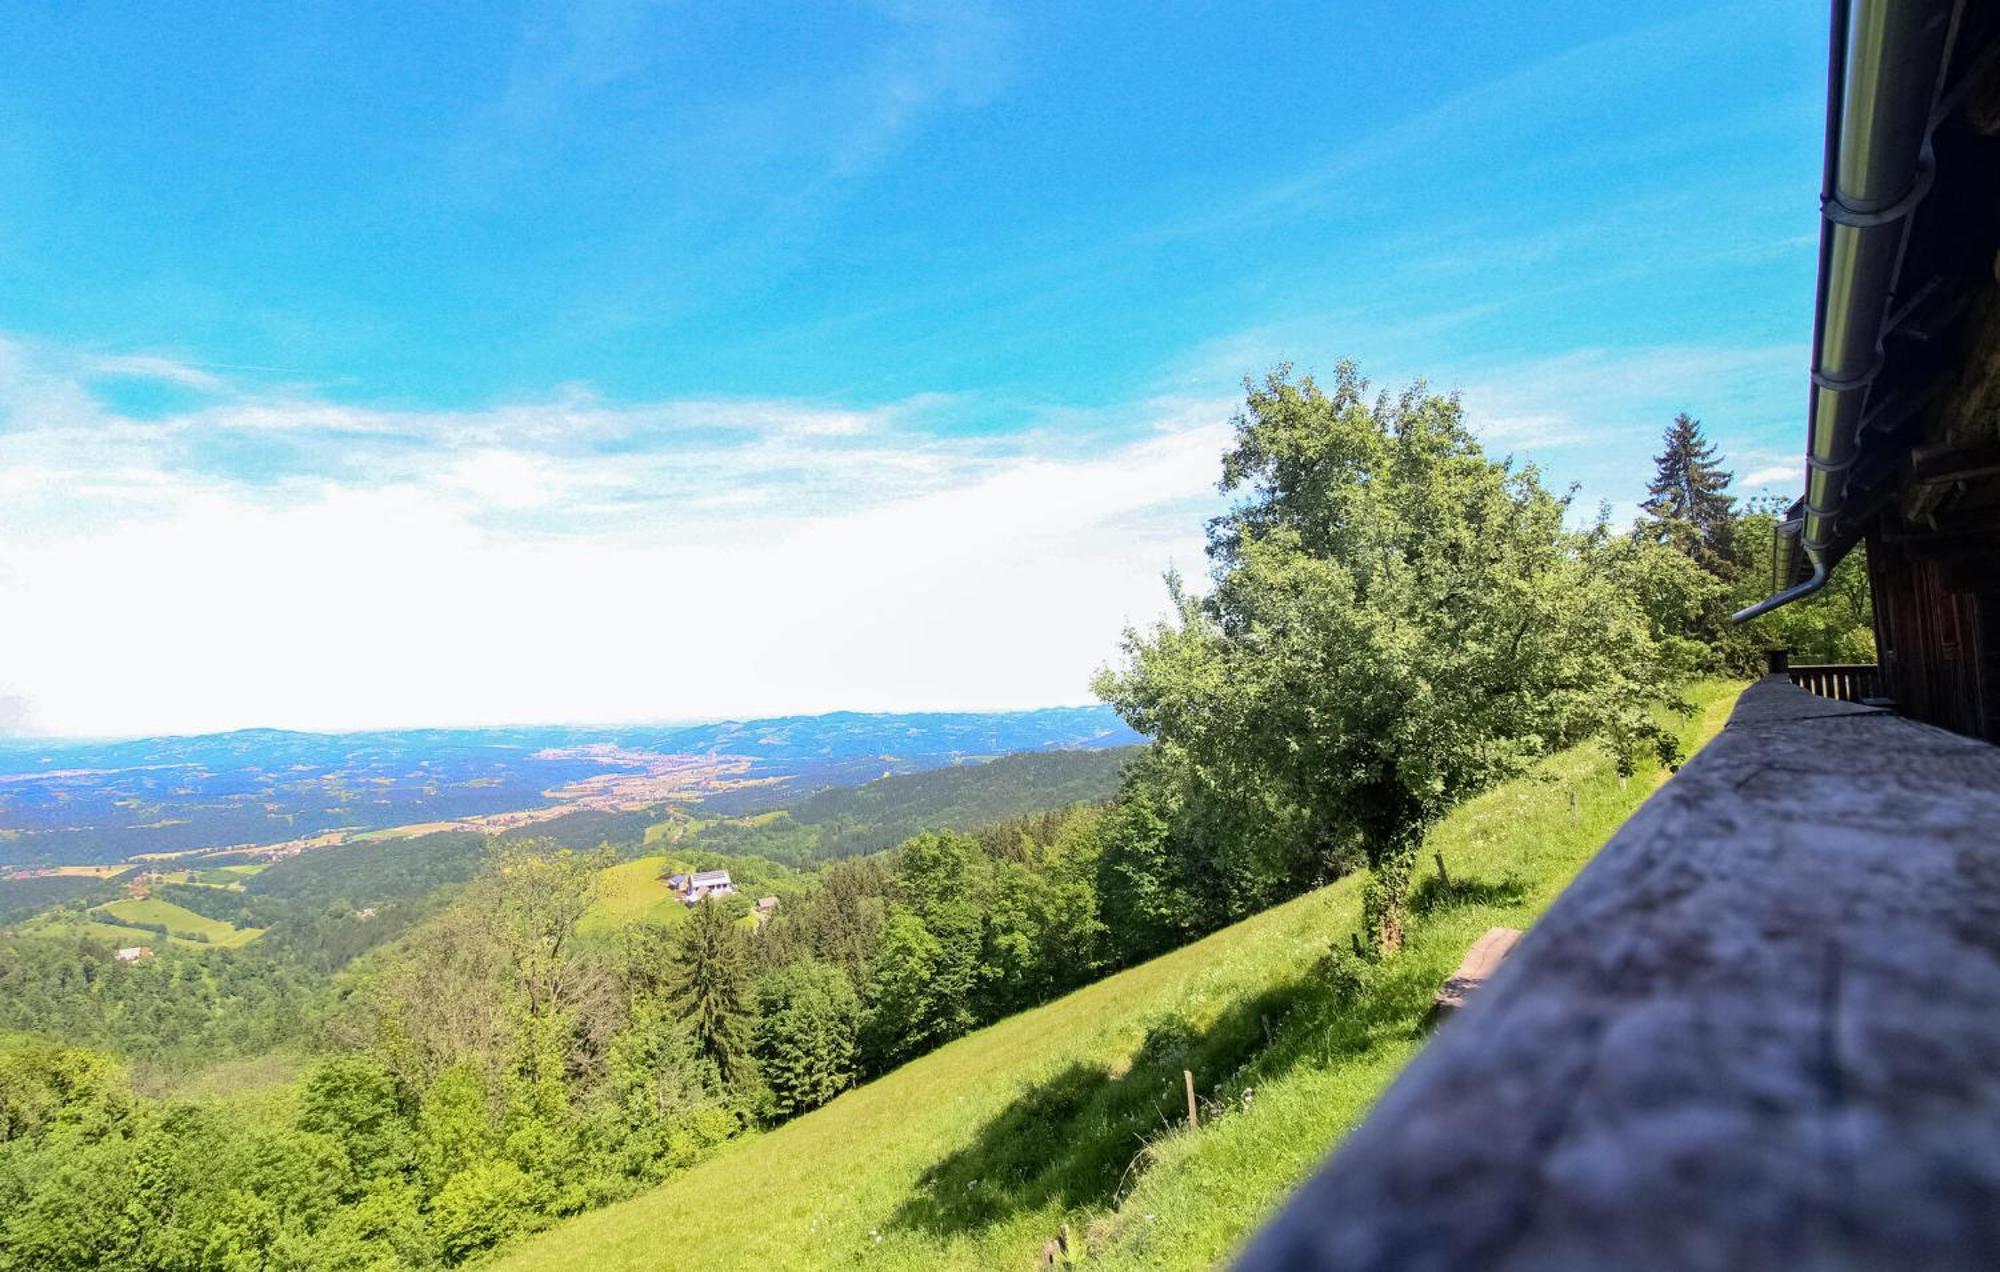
(1784, 564)
(1886, 61)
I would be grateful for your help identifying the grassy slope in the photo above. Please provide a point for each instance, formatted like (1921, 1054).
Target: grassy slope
(110, 933)
(1072, 1113)
(632, 892)
(181, 922)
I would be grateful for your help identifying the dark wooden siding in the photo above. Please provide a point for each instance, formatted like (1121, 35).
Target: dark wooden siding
(1937, 632)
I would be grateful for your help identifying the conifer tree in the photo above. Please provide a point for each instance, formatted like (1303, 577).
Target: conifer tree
(1685, 505)
(807, 1022)
(712, 984)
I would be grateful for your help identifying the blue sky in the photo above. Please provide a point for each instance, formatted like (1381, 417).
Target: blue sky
(622, 361)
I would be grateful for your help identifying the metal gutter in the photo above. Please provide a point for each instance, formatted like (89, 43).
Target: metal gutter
(1784, 565)
(1886, 59)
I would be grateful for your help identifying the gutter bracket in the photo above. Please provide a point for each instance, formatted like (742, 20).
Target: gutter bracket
(1840, 213)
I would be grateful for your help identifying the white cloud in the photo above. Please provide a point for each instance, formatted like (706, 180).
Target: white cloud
(16, 714)
(569, 561)
(149, 367)
(1775, 475)
(276, 557)
(1587, 394)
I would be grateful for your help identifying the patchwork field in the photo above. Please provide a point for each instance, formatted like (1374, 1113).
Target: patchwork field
(1071, 1116)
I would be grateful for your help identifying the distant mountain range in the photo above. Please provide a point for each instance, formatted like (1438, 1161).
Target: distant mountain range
(81, 802)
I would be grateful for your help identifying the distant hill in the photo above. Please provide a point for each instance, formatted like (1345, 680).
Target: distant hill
(847, 748)
(847, 734)
(85, 802)
(881, 814)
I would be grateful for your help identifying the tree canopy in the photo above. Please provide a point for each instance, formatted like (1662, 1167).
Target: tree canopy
(1395, 620)
(1687, 506)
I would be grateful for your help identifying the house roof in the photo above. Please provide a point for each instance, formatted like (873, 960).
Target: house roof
(1902, 407)
(708, 878)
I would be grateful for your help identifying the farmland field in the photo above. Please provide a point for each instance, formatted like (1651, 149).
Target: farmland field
(182, 923)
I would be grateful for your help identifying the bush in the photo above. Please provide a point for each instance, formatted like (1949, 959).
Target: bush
(481, 1206)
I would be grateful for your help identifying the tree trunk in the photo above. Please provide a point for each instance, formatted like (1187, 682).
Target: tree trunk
(1389, 932)
(1385, 905)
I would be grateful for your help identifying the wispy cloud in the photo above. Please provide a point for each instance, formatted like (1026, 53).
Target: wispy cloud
(273, 555)
(1775, 475)
(1588, 395)
(568, 559)
(152, 367)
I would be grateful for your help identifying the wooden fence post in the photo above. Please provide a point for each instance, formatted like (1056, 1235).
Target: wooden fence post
(1444, 876)
(1194, 1116)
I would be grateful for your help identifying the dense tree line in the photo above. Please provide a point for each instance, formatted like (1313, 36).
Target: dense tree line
(1689, 509)
(854, 821)
(22, 898)
(495, 1070)
(197, 1005)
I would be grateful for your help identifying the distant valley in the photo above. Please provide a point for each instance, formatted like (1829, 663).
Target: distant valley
(270, 793)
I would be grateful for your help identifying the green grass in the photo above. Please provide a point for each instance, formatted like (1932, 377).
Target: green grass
(110, 933)
(1073, 1113)
(633, 892)
(183, 924)
(66, 925)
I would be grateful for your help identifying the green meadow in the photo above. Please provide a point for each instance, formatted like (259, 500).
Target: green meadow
(181, 923)
(1072, 1117)
(634, 892)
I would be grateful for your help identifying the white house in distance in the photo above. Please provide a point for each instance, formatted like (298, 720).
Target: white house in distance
(133, 953)
(707, 883)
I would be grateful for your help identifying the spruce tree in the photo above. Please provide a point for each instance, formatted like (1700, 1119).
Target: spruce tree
(1685, 505)
(712, 985)
(807, 1021)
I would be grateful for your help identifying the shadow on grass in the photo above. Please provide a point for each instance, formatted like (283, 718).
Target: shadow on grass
(1433, 894)
(1070, 1138)
(1078, 1138)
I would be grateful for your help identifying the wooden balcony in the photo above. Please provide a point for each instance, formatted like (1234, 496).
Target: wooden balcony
(1843, 682)
(1761, 1029)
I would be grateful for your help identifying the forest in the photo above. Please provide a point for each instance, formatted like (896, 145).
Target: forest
(1392, 621)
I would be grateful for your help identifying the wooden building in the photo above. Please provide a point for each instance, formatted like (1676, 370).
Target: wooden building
(1903, 423)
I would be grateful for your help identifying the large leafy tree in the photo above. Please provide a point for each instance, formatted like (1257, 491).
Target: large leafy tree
(1687, 504)
(925, 975)
(1395, 621)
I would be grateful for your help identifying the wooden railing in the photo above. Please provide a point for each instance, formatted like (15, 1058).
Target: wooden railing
(1760, 1029)
(1845, 682)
